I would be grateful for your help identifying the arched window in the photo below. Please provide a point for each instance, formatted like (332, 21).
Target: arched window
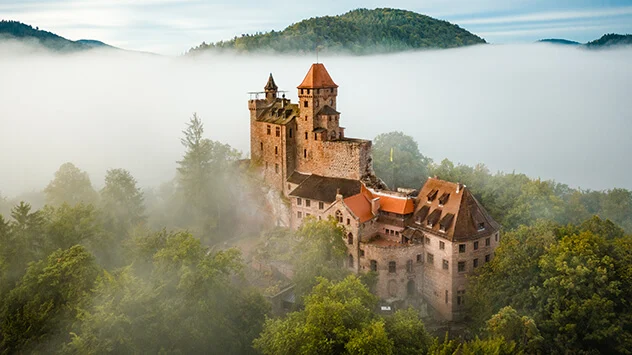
(350, 260)
(339, 216)
(350, 238)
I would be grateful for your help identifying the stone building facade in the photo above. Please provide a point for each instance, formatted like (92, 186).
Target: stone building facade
(422, 244)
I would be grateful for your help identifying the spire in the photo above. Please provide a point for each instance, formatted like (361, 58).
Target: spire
(317, 77)
(271, 86)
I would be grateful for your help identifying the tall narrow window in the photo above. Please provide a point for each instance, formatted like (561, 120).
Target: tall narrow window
(487, 242)
(308, 203)
(461, 266)
(304, 153)
(290, 133)
(299, 201)
(315, 136)
(278, 131)
(268, 129)
(441, 245)
(392, 267)
(476, 245)
(321, 205)
(276, 150)
(299, 214)
(409, 266)
(430, 258)
(475, 263)
(373, 265)
(446, 264)
(350, 238)
(446, 296)
(305, 104)
(276, 168)
(261, 145)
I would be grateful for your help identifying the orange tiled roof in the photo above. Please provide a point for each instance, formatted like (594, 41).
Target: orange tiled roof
(360, 206)
(395, 204)
(317, 77)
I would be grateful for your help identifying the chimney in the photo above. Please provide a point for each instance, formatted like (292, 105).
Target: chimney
(375, 205)
(338, 195)
(458, 187)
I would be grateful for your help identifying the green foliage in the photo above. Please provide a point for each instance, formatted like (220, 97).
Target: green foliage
(359, 31)
(70, 186)
(319, 251)
(610, 39)
(408, 168)
(338, 318)
(19, 31)
(121, 202)
(408, 333)
(46, 300)
(522, 331)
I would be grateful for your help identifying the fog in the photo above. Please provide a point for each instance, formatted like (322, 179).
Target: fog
(552, 112)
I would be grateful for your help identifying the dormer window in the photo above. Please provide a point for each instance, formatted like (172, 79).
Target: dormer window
(432, 195)
(481, 226)
(444, 198)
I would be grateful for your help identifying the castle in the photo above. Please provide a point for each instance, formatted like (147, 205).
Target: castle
(422, 245)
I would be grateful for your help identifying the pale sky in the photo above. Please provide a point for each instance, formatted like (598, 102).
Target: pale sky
(173, 26)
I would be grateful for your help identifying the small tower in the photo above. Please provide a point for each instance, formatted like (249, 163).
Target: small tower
(271, 89)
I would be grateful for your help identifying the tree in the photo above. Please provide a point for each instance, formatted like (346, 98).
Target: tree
(122, 202)
(522, 331)
(408, 333)
(338, 318)
(398, 162)
(71, 186)
(40, 310)
(202, 180)
(319, 251)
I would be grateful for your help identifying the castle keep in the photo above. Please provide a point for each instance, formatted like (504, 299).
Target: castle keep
(422, 244)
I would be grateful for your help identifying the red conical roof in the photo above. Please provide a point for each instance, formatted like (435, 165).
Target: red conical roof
(317, 77)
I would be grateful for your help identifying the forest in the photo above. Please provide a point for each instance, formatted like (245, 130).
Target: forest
(127, 269)
(360, 31)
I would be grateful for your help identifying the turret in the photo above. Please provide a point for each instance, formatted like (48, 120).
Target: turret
(271, 89)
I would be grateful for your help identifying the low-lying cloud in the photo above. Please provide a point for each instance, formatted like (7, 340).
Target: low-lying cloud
(556, 112)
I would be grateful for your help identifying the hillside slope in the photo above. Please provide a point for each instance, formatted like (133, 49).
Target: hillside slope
(359, 31)
(14, 30)
(609, 40)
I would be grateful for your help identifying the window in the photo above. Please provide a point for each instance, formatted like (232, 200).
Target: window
(496, 236)
(290, 133)
(476, 245)
(306, 137)
(339, 216)
(315, 136)
(487, 242)
(427, 240)
(420, 258)
(348, 221)
(276, 168)
(362, 253)
(307, 91)
(308, 203)
(460, 297)
(388, 231)
(430, 258)
(350, 238)
(475, 263)
(461, 266)
(268, 129)
(446, 264)
(373, 265)
(487, 258)
(299, 214)
(441, 245)
(301, 91)
(278, 131)
(461, 248)
(261, 145)
(304, 153)
(409, 266)
(305, 104)
(321, 205)
(299, 201)
(276, 150)
(481, 226)
(446, 296)
(392, 267)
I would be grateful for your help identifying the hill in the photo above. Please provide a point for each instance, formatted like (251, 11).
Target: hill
(359, 31)
(14, 30)
(559, 41)
(609, 40)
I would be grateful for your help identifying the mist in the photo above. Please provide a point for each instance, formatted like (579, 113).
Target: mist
(547, 111)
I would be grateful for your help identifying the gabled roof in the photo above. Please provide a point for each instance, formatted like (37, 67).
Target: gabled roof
(324, 189)
(456, 209)
(327, 110)
(360, 206)
(317, 77)
(278, 112)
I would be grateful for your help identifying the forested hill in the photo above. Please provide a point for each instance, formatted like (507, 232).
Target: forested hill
(14, 30)
(611, 39)
(359, 31)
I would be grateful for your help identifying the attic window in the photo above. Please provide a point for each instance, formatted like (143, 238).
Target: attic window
(444, 198)
(432, 195)
(481, 226)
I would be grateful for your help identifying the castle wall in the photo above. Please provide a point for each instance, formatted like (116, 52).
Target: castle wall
(347, 159)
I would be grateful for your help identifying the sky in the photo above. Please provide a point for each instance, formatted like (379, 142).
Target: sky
(171, 27)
